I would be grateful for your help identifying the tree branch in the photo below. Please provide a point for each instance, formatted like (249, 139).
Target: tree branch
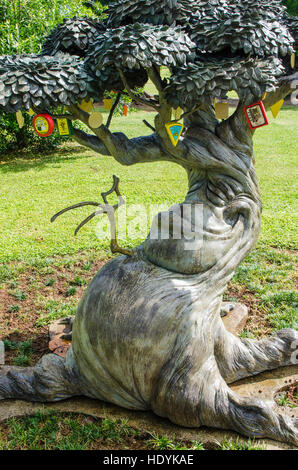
(189, 113)
(164, 114)
(90, 141)
(235, 130)
(125, 151)
(286, 85)
(156, 79)
(101, 132)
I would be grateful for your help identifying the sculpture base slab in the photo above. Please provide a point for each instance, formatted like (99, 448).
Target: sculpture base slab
(264, 386)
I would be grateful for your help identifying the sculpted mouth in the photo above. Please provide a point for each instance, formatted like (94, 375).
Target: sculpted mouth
(216, 233)
(217, 226)
(200, 221)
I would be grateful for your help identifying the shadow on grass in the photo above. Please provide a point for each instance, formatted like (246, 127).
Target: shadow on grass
(26, 161)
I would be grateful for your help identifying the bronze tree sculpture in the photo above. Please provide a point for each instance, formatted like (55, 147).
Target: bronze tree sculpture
(148, 332)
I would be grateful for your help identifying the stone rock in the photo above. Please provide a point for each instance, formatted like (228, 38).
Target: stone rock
(58, 345)
(236, 318)
(57, 329)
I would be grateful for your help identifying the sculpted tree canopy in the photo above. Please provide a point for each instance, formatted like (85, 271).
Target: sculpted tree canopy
(210, 47)
(148, 332)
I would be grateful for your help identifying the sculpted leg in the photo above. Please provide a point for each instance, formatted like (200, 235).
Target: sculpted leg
(52, 379)
(206, 400)
(222, 408)
(239, 358)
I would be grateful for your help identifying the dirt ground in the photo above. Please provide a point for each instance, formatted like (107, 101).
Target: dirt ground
(33, 292)
(20, 326)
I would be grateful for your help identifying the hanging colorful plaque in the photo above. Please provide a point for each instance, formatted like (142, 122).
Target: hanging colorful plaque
(20, 119)
(95, 120)
(86, 106)
(256, 115)
(125, 109)
(43, 125)
(108, 103)
(174, 130)
(222, 110)
(276, 108)
(64, 126)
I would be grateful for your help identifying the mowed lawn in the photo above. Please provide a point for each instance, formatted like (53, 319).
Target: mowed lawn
(32, 190)
(44, 269)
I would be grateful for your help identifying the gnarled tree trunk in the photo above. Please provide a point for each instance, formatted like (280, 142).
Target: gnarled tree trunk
(148, 332)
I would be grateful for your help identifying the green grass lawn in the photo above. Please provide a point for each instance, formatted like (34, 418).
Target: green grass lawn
(32, 190)
(54, 431)
(276, 162)
(44, 269)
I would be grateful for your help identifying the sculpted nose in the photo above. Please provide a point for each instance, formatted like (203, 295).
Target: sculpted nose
(236, 208)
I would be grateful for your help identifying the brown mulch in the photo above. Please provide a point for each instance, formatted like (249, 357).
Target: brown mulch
(19, 326)
(258, 322)
(292, 394)
(40, 343)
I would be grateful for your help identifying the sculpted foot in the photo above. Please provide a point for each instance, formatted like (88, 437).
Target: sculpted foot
(52, 379)
(238, 358)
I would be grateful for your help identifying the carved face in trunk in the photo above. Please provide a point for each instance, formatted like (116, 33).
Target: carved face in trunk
(192, 237)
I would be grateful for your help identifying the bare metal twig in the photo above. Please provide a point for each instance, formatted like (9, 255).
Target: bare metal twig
(113, 110)
(74, 206)
(105, 208)
(148, 125)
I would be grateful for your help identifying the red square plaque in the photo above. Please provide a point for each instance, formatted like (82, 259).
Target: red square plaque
(256, 115)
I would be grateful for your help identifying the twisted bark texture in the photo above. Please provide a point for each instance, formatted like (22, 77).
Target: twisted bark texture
(148, 332)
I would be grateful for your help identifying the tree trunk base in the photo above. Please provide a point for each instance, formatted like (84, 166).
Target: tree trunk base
(146, 338)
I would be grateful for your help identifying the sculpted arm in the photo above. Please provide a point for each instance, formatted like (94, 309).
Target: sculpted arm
(126, 151)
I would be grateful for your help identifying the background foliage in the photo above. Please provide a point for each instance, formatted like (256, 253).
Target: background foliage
(23, 26)
(292, 6)
(24, 23)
